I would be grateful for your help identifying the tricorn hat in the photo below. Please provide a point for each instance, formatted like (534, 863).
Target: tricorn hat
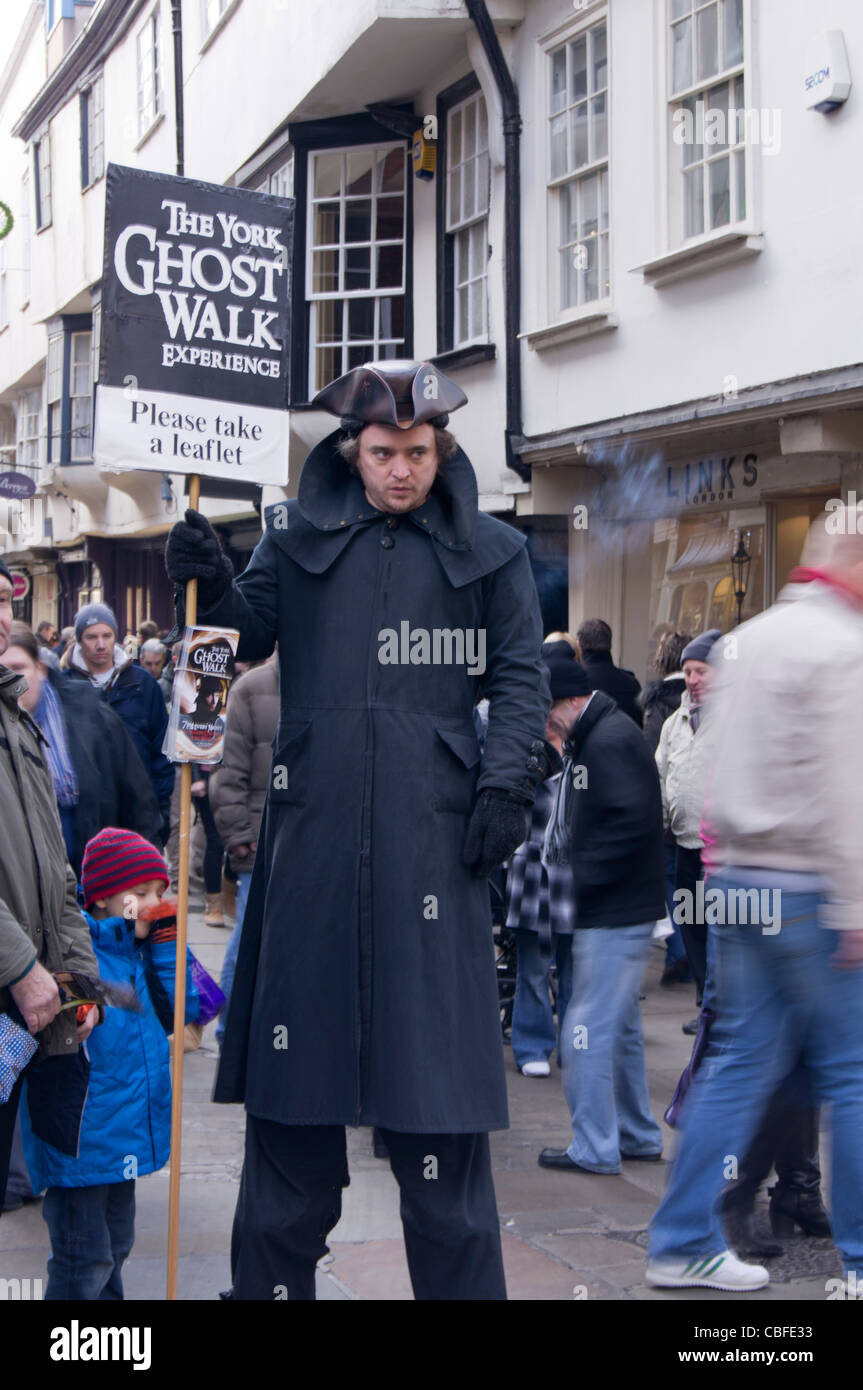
(398, 393)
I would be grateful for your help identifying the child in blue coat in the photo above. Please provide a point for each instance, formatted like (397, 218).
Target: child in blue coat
(126, 1128)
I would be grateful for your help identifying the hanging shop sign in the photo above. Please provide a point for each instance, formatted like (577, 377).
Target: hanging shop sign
(16, 485)
(193, 372)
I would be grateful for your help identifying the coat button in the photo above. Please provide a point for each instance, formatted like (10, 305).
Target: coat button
(387, 542)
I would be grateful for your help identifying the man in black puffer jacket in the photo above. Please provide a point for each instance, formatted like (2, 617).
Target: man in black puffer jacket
(607, 823)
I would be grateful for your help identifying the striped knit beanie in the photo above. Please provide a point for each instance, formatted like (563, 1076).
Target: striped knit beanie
(115, 860)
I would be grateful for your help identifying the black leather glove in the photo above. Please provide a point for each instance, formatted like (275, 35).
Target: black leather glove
(499, 824)
(193, 552)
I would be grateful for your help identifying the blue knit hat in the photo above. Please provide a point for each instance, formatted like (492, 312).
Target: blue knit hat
(699, 648)
(94, 613)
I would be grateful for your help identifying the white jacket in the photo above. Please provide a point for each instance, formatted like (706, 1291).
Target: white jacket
(785, 783)
(682, 775)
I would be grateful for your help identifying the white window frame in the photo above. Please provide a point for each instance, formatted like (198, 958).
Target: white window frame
(148, 72)
(94, 94)
(28, 435)
(379, 339)
(81, 441)
(24, 238)
(700, 89)
(597, 165)
(280, 181)
(469, 228)
(211, 26)
(42, 180)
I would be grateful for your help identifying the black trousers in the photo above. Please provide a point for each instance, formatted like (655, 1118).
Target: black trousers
(787, 1138)
(291, 1198)
(688, 871)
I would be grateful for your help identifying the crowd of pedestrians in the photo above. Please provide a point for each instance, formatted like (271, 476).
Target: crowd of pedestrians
(719, 810)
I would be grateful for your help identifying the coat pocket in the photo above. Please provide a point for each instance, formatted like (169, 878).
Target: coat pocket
(289, 771)
(456, 770)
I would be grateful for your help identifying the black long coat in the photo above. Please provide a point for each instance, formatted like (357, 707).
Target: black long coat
(365, 990)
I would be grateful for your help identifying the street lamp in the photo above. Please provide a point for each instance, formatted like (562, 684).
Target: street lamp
(740, 562)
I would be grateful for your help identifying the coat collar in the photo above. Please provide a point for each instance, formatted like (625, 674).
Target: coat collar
(599, 707)
(12, 684)
(331, 508)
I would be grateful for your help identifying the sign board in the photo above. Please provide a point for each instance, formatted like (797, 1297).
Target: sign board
(20, 584)
(193, 373)
(16, 485)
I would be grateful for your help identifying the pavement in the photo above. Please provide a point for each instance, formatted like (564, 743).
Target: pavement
(565, 1235)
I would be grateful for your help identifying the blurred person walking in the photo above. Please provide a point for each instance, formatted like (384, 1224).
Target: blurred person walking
(594, 639)
(785, 813)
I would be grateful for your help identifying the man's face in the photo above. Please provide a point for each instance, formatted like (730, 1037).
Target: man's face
(562, 718)
(97, 644)
(397, 467)
(153, 662)
(697, 675)
(5, 612)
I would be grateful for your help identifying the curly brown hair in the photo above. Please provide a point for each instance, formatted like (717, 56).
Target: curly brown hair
(446, 445)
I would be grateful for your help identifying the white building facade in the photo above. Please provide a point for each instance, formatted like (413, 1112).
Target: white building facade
(637, 255)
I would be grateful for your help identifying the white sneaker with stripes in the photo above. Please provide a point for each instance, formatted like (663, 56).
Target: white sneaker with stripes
(722, 1271)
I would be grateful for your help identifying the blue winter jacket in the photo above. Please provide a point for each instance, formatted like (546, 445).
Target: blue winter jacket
(126, 1128)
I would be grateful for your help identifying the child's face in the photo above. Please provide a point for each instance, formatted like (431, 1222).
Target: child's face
(131, 902)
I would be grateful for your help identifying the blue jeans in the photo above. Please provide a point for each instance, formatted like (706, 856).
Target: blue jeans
(778, 998)
(92, 1230)
(602, 1045)
(533, 1031)
(674, 947)
(229, 964)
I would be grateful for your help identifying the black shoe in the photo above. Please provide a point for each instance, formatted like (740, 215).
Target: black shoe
(227, 1294)
(739, 1227)
(559, 1158)
(690, 1028)
(793, 1206)
(641, 1158)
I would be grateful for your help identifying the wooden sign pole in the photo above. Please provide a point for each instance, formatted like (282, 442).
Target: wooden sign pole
(180, 977)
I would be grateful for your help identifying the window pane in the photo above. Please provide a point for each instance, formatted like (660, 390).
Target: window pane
(389, 220)
(599, 66)
(716, 126)
(361, 319)
(358, 355)
(693, 201)
(359, 175)
(569, 213)
(328, 318)
(388, 267)
(469, 129)
(680, 7)
(558, 146)
(738, 93)
(732, 11)
(603, 202)
(707, 41)
(80, 347)
(481, 125)
(455, 137)
(604, 272)
(328, 365)
(358, 268)
(720, 211)
(325, 272)
(392, 317)
(391, 350)
(581, 153)
(462, 257)
(482, 183)
(600, 127)
(589, 205)
(558, 81)
(578, 81)
(358, 220)
(327, 223)
(691, 150)
(390, 173)
(740, 183)
(328, 175)
(477, 300)
(478, 248)
(681, 60)
(469, 190)
(463, 314)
